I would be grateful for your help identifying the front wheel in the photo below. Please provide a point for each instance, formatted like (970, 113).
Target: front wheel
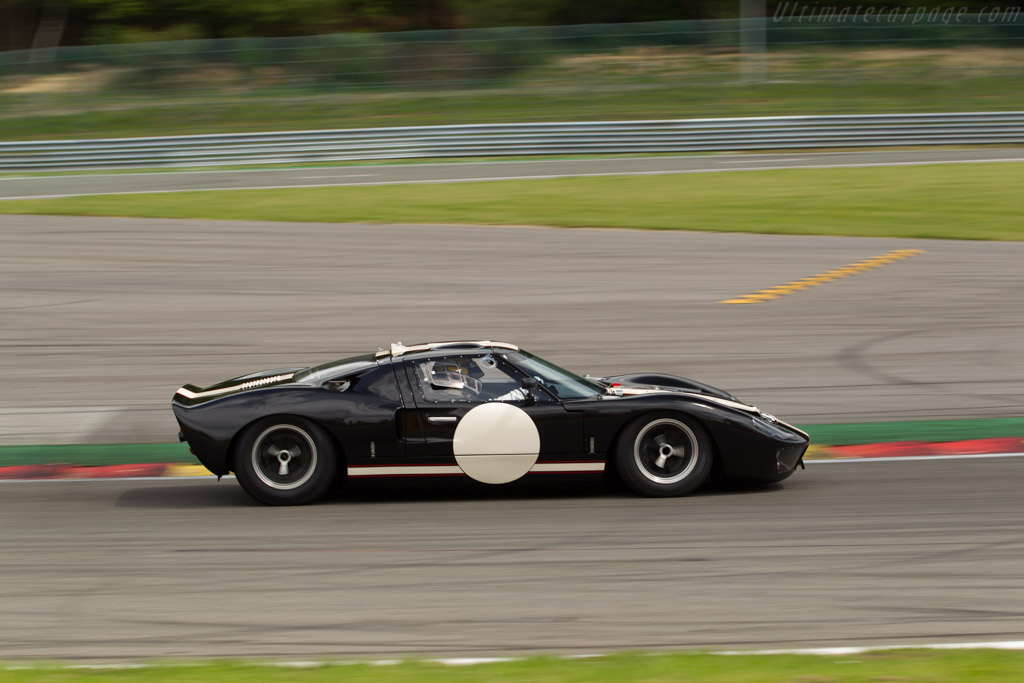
(285, 461)
(664, 455)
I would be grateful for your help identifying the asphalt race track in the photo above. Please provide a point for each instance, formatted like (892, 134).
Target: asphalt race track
(101, 320)
(382, 174)
(842, 553)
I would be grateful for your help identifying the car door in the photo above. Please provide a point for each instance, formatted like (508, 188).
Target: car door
(472, 408)
(363, 410)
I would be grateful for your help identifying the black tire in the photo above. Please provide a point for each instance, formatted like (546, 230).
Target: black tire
(285, 461)
(664, 455)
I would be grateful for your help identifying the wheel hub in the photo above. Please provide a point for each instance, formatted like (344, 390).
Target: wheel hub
(665, 452)
(284, 457)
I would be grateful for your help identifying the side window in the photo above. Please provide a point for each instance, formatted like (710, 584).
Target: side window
(466, 379)
(379, 382)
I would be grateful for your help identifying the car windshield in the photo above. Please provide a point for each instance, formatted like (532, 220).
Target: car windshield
(559, 381)
(337, 368)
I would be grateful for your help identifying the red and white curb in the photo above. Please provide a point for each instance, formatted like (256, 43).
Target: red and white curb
(889, 450)
(152, 470)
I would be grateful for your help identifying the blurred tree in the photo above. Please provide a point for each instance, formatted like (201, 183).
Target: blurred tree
(23, 22)
(18, 22)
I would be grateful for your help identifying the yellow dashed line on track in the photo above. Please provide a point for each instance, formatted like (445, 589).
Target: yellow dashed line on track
(822, 278)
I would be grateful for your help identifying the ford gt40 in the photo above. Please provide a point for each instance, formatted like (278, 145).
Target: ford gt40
(480, 409)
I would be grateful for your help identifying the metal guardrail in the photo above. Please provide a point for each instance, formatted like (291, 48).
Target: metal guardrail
(611, 137)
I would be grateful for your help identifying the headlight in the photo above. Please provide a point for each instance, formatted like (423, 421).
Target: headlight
(771, 429)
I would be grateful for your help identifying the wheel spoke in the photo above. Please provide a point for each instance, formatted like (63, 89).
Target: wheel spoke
(284, 457)
(666, 451)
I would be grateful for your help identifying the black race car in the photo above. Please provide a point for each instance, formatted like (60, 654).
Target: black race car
(487, 410)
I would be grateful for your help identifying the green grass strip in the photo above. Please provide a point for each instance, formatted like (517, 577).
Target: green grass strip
(968, 666)
(830, 434)
(919, 430)
(955, 201)
(96, 454)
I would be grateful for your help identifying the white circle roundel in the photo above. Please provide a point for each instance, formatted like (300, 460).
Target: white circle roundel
(496, 443)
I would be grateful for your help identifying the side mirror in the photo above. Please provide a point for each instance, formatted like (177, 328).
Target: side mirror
(530, 383)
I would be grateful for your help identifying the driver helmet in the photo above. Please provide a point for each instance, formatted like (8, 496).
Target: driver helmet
(453, 374)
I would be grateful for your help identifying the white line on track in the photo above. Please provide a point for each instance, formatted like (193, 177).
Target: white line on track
(856, 650)
(755, 159)
(908, 458)
(470, 661)
(717, 156)
(353, 175)
(446, 164)
(473, 661)
(441, 181)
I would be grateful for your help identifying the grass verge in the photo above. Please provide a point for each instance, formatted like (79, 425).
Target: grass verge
(973, 666)
(951, 201)
(96, 455)
(917, 430)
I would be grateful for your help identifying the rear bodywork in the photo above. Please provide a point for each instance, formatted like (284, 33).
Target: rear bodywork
(370, 407)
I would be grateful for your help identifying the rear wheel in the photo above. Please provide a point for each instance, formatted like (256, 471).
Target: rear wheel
(664, 455)
(285, 461)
